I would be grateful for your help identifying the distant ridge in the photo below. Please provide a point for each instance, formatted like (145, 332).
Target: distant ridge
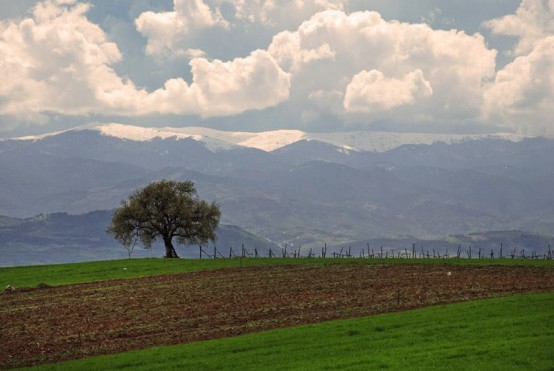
(218, 140)
(304, 194)
(63, 238)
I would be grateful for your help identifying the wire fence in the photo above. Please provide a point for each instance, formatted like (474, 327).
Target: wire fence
(380, 253)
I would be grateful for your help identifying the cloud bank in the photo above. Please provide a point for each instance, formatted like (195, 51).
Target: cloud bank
(59, 62)
(319, 61)
(360, 64)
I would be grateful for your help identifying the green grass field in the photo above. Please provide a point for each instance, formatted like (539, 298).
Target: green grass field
(64, 274)
(510, 333)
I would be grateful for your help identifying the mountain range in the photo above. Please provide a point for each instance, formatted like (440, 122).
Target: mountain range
(291, 187)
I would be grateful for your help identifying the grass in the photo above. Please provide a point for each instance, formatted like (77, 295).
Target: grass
(64, 274)
(509, 333)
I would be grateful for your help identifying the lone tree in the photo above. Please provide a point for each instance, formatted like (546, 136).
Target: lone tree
(164, 210)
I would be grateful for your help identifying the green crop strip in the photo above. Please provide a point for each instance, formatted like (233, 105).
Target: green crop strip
(509, 333)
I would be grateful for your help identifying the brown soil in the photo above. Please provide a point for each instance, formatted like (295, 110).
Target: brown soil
(52, 324)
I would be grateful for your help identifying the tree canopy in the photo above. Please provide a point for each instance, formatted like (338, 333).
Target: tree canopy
(162, 211)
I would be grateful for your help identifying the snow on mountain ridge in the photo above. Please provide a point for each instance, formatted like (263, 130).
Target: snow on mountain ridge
(141, 134)
(217, 140)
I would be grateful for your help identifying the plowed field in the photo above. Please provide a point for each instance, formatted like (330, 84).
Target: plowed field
(52, 324)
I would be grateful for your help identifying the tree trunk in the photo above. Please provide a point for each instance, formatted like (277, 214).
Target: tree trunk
(169, 249)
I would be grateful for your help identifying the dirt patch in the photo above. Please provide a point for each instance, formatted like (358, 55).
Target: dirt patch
(52, 324)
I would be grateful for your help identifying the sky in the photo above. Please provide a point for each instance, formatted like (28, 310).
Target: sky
(457, 66)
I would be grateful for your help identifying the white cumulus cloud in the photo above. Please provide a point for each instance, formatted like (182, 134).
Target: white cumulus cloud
(172, 33)
(224, 88)
(522, 94)
(371, 91)
(57, 61)
(167, 32)
(318, 62)
(533, 20)
(360, 63)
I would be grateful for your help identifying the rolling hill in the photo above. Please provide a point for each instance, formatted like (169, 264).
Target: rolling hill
(63, 238)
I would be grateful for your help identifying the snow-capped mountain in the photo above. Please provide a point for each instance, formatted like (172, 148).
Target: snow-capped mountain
(294, 187)
(217, 140)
